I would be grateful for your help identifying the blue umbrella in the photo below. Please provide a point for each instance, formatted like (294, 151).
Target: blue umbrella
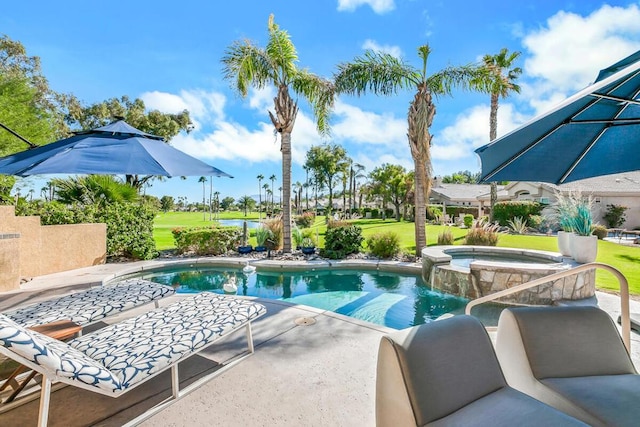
(592, 133)
(117, 148)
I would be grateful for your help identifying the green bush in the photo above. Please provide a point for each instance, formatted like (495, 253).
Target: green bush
(384, 245)
(615, 217)
(305, 220)
(446, 237)
(600, 231)
(207, 241)
(468, 220)
(374, 213)
(482, 235)
(342, 241)
(503, 212)
(536, 222)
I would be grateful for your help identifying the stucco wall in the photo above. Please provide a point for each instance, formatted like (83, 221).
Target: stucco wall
(53, 248)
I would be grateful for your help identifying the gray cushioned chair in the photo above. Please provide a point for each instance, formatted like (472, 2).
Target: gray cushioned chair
(446, 373)
(573, 359)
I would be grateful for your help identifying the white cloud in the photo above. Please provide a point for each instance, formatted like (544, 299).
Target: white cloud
(262, 99)
(566, 54)
(391, 50)
(203, 106)
(471, 130)
(378, 6)
(367, 127)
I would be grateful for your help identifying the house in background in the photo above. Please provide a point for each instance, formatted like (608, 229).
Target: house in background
(464, 195)
(618, 189)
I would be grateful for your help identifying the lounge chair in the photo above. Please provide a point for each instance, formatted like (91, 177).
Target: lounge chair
(92, 305)
(118, 358)
(573, 359)
(446, 373)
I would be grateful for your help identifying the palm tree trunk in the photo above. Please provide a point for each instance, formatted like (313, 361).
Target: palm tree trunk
(493, 133)
(286, 191)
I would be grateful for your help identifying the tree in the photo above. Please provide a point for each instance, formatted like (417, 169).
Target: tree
(227, 203)
(461, 177)
(272, 178)
(166, 203)
(266, 197)
(248, 65)
(327, 161)
(246, 203)
(358, 173)
(260, 178)
(384, 74)
(390, 183)
(203, 180)
(133, 112)
(500, 79)
(93, 190)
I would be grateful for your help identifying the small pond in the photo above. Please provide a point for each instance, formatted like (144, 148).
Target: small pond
(238, 223)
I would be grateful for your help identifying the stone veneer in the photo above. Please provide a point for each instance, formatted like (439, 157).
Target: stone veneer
(485, 277)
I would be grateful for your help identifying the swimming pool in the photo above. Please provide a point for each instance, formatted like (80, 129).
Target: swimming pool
(385, 298)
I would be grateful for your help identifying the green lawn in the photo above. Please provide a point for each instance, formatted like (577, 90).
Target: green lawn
(625, 258)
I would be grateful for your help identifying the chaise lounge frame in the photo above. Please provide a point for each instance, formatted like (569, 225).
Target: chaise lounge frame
(49, 377)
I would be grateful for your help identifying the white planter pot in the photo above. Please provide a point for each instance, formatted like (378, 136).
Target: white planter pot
(584, 249)
(564, 242)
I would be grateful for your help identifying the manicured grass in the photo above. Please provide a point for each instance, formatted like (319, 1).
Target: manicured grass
(625, 258)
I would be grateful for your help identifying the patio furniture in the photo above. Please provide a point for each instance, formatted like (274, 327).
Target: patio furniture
(446, 373)
(571, 358)
(92, 305)
(120, 357)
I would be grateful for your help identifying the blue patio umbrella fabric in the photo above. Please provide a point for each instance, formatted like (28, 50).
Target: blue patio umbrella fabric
(592, 133)
(117, 148)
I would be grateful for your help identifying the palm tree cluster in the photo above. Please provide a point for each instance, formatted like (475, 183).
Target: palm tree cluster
(248, 65)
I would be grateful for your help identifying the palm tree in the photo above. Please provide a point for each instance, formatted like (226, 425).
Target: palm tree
(266, 198)
(203, 180)
(272, 178)
(358, 173)
(248, 65)
(281, 202)
(500, 78)
(385, 74)
(260, 178)
(210, 196)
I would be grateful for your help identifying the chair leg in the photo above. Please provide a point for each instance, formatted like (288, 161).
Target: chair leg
(175, 382)
(45, 395)
(249, 337)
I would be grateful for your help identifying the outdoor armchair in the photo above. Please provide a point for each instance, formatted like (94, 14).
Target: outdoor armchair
(446, 373)
(573, 359)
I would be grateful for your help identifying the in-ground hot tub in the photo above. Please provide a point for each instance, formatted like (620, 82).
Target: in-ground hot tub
(476, 271)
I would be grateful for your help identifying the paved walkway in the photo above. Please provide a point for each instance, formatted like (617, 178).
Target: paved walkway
(317, 375)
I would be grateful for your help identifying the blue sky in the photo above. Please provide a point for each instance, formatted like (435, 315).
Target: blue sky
(168, 54)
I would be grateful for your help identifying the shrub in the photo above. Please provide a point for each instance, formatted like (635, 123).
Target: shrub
(518, 225)
(581, 221)
(374, 213)
(468, 220)
(615, 217)
(276, 233)
(434, 213)
(384, 245)
(262, 234)
(305, 220)
(335, 223)
(536, 222)
(207, 241)
(600, 231)
(297, 236)
(342, 241)
(482, 234)
(446, 237)
(505, 211)
(308, 242)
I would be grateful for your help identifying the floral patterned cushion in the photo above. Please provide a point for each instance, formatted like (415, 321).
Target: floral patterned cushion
(139, 347)
(56, 358)
(92, 305)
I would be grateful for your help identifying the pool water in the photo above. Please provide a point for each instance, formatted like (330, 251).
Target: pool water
(465, 261)
(388, 299)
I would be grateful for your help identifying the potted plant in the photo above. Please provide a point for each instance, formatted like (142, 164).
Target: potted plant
(262, 234)
(308, 246)
(297, 236)
(562, 213)
(584, 244)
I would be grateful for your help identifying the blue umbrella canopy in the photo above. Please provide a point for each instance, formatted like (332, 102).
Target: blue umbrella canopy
(592, 133)
(117, 148)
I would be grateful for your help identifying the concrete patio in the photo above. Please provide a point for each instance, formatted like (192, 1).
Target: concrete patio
(303, 372)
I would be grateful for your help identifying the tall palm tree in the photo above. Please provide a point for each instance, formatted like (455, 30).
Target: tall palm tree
(266, 198)
(272, 178)
(203, 180)
(500, 78)
(384, 74)
(260, 178)
(210, 197)
(358, 173)
(248, 65)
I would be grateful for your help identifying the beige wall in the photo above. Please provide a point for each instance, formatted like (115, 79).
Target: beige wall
(53, 248)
